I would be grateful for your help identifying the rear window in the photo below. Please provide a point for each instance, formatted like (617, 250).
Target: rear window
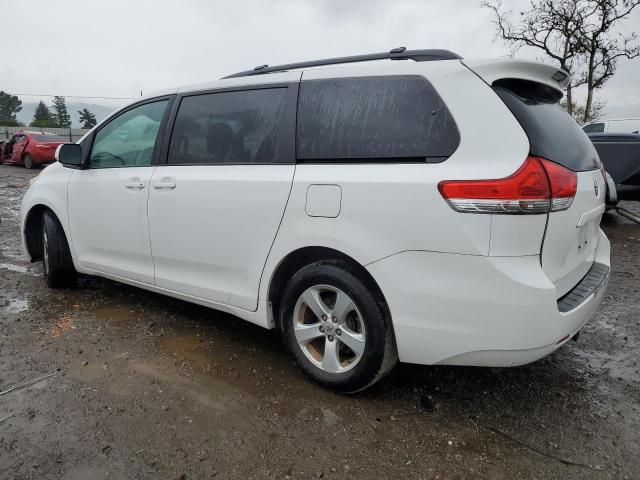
(49, 138)
(552, 133)
(397, 118)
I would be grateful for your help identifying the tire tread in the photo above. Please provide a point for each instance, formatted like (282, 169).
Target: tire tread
(62, 273)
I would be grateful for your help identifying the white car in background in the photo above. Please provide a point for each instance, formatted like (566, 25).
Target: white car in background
(614, 125)
(408, 205)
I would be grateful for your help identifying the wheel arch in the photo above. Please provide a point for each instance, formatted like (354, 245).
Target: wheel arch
(304, 256)
(33, 230)
(25, 152)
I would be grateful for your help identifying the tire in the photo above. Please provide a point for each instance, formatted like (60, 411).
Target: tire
(360, 338)
(56, 257)
(27, 161)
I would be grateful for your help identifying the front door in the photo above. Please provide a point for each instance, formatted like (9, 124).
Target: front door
(215, 208)
(108, 200)
(19, 141)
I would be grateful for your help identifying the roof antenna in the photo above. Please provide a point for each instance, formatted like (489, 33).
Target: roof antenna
(260, 67)
(397, 50)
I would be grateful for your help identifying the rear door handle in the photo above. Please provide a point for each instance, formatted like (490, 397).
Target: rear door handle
(168, 184)
(134, 185)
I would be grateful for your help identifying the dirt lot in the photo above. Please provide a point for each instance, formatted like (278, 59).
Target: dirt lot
(151, 387)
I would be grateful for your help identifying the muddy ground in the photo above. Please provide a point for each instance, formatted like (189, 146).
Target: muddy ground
(151, 387)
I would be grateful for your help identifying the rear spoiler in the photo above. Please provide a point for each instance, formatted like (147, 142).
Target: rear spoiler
(498, 69)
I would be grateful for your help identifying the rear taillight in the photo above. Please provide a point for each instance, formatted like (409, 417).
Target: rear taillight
(564, 184)
(539, 186)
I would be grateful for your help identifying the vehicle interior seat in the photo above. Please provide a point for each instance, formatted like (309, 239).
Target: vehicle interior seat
(219, 142)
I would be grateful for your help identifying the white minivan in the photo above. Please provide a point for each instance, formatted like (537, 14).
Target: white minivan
(408, 206)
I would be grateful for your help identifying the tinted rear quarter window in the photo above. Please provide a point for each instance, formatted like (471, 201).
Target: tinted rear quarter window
(374, 119)
(228, 127)
(552, 133)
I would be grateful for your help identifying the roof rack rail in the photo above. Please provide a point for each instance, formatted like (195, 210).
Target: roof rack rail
(400, 53)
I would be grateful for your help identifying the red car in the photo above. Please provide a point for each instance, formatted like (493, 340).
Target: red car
(30, 148)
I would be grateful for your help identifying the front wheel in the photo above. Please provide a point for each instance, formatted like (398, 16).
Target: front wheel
(27, 161)
(56, 256)
(336, 328)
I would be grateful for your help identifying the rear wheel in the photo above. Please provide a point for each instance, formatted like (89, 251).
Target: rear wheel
(336, 328)
(56, 257)
(27, 161)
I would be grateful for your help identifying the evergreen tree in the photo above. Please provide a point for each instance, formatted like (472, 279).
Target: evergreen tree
(87, 118)
(42, 117)
(10, 105)
(60, 114)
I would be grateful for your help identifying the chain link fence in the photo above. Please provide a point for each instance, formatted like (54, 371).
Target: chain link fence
(72, 134)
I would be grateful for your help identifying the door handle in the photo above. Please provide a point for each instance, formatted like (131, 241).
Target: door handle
(134, 185)
(166, 184)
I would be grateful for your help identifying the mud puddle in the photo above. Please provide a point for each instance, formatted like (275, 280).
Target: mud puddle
(16, 305)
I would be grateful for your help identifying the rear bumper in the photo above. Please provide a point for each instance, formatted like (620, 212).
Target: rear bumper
(41, 157)
(478, 310)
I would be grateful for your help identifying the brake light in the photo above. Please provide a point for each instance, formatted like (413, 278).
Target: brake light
(539, 186)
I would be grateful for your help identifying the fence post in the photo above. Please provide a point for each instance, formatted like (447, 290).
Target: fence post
(70, 137)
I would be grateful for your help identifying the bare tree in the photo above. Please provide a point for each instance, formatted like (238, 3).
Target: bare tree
(548, 25)
(578, 111)
(579, 35)
(602, 47)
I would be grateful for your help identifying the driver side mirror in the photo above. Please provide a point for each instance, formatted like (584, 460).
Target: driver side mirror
(69, 155)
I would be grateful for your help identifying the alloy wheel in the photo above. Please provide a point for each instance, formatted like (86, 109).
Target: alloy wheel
(329, 328)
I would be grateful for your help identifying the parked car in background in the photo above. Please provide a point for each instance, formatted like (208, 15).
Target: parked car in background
(614, 125)
(30, 149)
(620, 155)
(415, 207)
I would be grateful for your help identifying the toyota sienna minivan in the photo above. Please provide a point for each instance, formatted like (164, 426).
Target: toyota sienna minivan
(410, 206)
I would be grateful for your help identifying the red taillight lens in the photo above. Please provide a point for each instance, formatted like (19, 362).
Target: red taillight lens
(564, 184)
(539, 186)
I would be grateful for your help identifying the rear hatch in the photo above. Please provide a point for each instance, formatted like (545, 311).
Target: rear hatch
(571, 236)
(532, 92)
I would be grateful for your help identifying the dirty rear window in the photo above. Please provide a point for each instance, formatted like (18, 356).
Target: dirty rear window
(393, 118)
(552, 133)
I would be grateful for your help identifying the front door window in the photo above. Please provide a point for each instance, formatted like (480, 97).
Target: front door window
(129, 139)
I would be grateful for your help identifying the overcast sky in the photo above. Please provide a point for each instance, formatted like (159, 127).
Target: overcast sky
(117, 48)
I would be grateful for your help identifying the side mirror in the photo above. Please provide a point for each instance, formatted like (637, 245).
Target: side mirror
(69, 155)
